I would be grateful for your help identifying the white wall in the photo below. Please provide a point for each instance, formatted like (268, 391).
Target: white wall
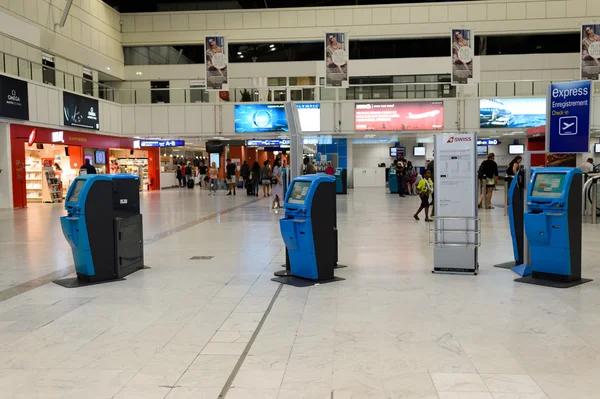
(378, 21)
(6, 195)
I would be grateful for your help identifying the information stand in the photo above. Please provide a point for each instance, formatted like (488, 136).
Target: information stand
(455, 234)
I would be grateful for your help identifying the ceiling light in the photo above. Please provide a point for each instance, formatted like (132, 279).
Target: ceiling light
(241, 56)
(273, 49)
(272, 45)
(108, 68)
(239, 53)
(138, 73)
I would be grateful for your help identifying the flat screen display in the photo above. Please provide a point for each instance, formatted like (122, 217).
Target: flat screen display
(75, 190)
(516, 149)
(81, 111)
(100, 157)
(482, 150)
(549, 185)
(399, 116)
(512, 112)
(418, 151)
(310, 117)
(14, 99)
(393, 152)
(597, 148)
(299, 192)
(260, 118)
(214, 157)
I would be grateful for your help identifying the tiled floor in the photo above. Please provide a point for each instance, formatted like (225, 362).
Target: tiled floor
(390, 330)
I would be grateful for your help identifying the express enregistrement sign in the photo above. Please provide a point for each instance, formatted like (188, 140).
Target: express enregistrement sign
(569, 106)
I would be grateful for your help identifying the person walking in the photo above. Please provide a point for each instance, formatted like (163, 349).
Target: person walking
(202, 173)
(431, 168)
(277, 182)
(400, 177)
(425, 188)
(488, 176)
(189, 174)
(410, 178)
(265, 177)
(255, 178)
(245, 173)
(231, 169)
(213, 174)
(179, 175)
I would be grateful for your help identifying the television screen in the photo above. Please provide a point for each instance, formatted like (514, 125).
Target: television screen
(548, 185)
(512, 112)
(597, 148)
(75, 190)
(299, 191)
(309, 115)
(482, 150)
(80, 111)
(418, 151)
(393, 152)
(100, 157)
(516, 149)
(214, 146)
(214, 157)
(260, 118)
(399, 116)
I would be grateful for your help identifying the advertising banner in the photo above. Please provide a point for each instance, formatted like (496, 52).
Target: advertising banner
(216, 63)
(590, 51)
(260, 118)
(512, 112)
(426, 115)
(81, 111)
(462, 56)
(309, 115)
(14, 99)
(569, 117)
(336, 59)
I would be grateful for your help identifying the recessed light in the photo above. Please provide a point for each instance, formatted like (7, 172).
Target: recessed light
(108, 68)
(273, 49)
(138, 73)
(241, 56)
(272, 45)
(239, 53)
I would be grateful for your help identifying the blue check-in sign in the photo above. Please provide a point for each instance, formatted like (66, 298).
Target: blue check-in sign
(569, 106)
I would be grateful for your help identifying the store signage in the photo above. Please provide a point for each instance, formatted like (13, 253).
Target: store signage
(32, 137)
(81, 111)
(399, 116)
(569, 117)
(14, 98)
(161, 143)
(376, 140)
(488, 142)
(58, 137)
(268, 143)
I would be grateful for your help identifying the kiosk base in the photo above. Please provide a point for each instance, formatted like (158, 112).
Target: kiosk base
(74, 282)
(552, 283)
(302, 282)
(507, 265)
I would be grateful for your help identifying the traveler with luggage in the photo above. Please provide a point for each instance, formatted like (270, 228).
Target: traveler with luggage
(189, 175)
(179, 174)
(254, 179)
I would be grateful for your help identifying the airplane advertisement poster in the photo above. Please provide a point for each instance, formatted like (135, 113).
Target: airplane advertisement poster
(512, 113)
(399, 116)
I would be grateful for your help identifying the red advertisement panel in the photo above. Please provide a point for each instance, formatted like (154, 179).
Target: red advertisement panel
(399, 116)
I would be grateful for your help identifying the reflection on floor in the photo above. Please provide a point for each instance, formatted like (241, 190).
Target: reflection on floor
(390, 330)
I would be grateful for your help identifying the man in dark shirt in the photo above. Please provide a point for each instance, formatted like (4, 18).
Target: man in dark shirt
(245, 172)
(488, 177)
(88, 167)
(309, 168)
(400, 176)
(231, 172)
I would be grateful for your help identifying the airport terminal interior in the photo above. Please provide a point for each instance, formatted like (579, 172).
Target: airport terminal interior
(286, 199)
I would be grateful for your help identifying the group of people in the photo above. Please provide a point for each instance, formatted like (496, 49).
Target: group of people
(411, 182)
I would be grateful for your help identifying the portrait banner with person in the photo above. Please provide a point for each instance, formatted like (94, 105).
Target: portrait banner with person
(216, 63)
(336, 59)
(590, 52)
(462, 56)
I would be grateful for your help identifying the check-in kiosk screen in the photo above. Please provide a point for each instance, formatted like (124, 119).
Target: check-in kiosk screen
(299, 191)
(78, 185)
(548, 185)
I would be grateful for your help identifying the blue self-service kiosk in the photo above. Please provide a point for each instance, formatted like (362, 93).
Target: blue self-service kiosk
(515, 217)
(553, 227)
(103, 226)
(309, 227)
(392, 181)
(341, 181)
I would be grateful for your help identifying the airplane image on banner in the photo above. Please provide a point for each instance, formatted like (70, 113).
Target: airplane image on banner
(567, 126)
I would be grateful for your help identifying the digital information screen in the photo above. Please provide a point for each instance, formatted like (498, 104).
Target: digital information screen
(548, 185)
(260, 118)
(399, 116)
(482, 150)
(418, 151)
(516, 149)
(77, 186)
(299, 191)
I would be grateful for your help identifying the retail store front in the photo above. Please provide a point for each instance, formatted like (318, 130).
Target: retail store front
(46, 161)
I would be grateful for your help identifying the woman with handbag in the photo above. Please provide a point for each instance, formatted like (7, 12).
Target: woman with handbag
(488, 176)
(277, 184)
(265, 177)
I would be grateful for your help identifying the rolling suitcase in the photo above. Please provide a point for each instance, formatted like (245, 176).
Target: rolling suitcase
(190, 183)
(249, 188)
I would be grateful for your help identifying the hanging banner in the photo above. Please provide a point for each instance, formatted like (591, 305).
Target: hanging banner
(568, 125)
(336, 59)
(462, 56)
(590, 52)
(216, 63)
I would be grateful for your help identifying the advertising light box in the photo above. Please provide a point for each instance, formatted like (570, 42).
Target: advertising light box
(512, 112)
(80, 111)
(309, 115)
(260, 118)
(398, 116)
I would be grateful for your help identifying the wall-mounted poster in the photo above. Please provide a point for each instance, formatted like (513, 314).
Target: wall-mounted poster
(14, 99)
(590, 52)
(422, 115)
(80, 111)
(336, 59)
(216, 63)
(462, 56)
(512, 112)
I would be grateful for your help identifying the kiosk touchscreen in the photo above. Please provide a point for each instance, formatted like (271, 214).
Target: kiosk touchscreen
(553, 227)
(309, 227)
(103, 226)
